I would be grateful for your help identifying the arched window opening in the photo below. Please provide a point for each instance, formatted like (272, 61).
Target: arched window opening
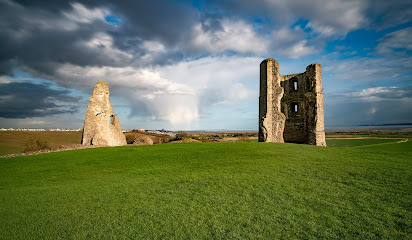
(294, 107)
(111, 120)
(293, 84)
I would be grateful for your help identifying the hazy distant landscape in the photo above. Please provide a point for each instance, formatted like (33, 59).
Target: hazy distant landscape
(12, 142)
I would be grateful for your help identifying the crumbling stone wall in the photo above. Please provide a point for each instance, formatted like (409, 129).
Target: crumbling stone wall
(291, 106)
(101, 126)
(271, 118)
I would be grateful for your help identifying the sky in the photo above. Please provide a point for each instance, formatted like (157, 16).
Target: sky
(194, 65)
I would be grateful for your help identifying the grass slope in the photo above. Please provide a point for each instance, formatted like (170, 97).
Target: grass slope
(209, 190)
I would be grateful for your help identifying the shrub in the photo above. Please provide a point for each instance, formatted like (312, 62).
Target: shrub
(131, 137)
(34, 143)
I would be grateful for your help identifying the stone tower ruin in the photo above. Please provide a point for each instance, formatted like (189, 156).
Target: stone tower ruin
(101, 126)
(291, 106)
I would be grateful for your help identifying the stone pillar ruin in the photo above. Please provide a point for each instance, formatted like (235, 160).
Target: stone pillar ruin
(271, 118)
(101, 126)
(291, 106)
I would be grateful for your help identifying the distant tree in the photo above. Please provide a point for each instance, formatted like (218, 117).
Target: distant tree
(181, 135)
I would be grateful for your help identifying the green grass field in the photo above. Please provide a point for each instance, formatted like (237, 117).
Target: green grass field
(358, 142)
(210, 191)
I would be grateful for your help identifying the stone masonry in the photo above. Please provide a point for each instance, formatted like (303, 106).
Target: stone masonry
(101, 126)
(291, 106)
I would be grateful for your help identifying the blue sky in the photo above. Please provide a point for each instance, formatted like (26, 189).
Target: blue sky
(194, 65)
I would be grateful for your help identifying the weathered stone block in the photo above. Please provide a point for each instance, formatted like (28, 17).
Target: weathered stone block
(101, 126)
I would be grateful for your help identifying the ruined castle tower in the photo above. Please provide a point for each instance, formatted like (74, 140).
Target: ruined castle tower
(291, 106)
(101, 126)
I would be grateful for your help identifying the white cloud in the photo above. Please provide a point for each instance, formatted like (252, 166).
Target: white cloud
(372, 110)
(385, 14)
(234, 35)
(154, 46)
(165, 100)
(153, 49)
(178, 93)
(356, 70)
(81, 14)
(398, 40)
(382, 94)
(4, 79)
(290, 43)
(234, 94)
(179, 110)
(143, 79)
(217, 80)
(101, 44)
(326, 17)
(334, 17)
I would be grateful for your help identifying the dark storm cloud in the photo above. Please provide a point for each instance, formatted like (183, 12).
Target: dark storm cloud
(390, 13)
(23, 100)
(168, 21)
(39, 34)
(39, 39)
(211, 22)
(162, 19)
(46, 4)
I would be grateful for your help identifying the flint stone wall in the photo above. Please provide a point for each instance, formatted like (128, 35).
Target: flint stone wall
(101, 126)
(291, 106)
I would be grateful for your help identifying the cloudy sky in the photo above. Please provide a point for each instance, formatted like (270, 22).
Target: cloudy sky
(181, 65)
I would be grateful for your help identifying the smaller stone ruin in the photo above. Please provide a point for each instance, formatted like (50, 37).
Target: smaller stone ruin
(101, 126)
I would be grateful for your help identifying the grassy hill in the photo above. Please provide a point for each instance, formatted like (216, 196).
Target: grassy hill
(210, 190)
